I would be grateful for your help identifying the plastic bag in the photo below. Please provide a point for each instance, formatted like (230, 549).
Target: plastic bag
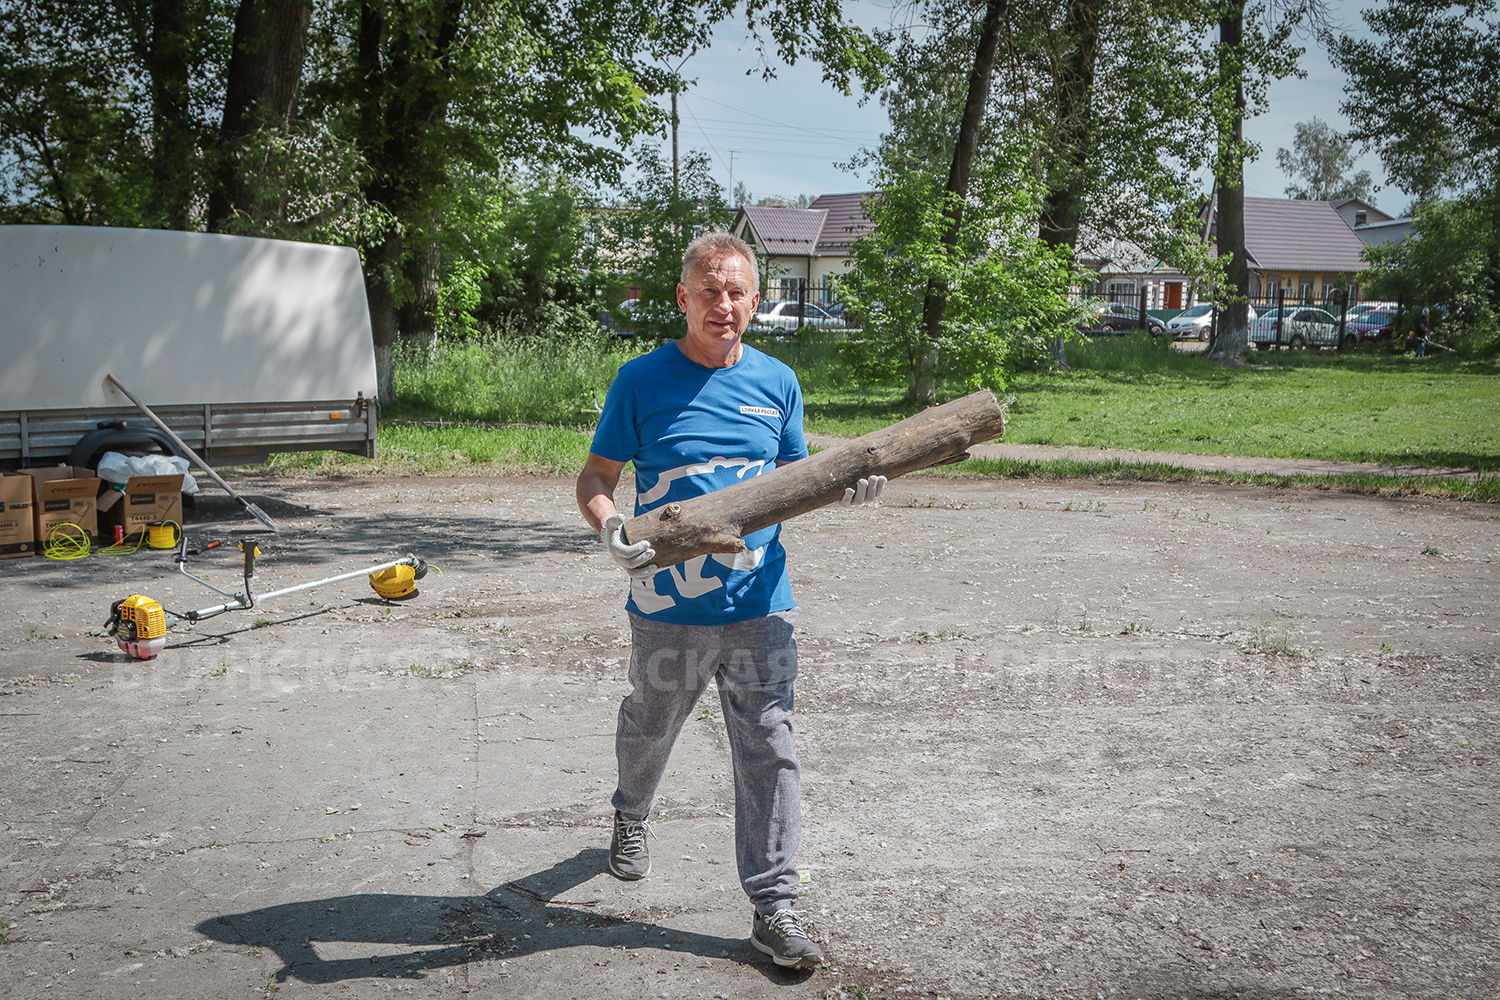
(117, 468)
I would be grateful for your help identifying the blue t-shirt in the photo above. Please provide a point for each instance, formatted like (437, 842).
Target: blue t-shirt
(691, 430)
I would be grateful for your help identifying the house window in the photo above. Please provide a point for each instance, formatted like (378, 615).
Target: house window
(1305, 291)
(1120, 291)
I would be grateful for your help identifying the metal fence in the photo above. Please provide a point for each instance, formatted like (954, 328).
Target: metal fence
(1282, 319)
(795, 306)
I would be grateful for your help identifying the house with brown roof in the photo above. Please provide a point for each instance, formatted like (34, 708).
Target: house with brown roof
(805, 246)
(1308, 248)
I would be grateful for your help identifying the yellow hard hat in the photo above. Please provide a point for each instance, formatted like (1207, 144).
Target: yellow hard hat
(395, 583)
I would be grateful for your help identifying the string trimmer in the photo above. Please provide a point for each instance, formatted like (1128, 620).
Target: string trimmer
(139, 623)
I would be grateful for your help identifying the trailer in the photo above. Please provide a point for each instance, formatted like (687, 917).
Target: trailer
(243, 347)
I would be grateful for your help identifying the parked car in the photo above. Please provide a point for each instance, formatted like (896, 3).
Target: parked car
(1118, 317)
(791, 315)
(1354, 312)
(1196, 322)
(1373, 325)
(1296, 326)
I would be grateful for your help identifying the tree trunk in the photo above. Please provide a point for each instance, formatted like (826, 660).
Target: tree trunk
(402, 77)
(718, 521)
(922, 388)
(380, 263)
(418, 316)
(265, 69)
(1233, 331)
(1062, 211)
(168, 59)
(1494, 254)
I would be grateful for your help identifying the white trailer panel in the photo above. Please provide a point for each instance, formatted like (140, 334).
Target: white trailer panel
(178, 318)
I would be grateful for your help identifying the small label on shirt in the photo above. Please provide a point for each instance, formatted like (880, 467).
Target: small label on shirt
(761, 411)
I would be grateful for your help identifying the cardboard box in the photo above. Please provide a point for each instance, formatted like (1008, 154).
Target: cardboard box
(17, 533)
(63, 494)
(146, 499)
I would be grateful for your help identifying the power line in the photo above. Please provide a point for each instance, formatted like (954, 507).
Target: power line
(799, 128)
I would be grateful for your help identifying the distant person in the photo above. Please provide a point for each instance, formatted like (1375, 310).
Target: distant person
(1421, 333)
(697, 415)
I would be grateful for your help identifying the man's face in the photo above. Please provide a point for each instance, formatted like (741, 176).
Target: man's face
(719, 300)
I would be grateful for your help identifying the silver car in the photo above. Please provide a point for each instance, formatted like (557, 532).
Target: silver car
(1197, 322)
(1295, 326)
(789, 315)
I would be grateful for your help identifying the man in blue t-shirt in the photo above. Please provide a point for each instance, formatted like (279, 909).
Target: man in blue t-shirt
(696, 415)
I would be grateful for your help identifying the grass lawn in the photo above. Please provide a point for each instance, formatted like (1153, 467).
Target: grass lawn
(522, 414)
(1365, 408)
(1127, 392)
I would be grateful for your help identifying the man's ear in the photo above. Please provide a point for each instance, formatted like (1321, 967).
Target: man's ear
(682, 296)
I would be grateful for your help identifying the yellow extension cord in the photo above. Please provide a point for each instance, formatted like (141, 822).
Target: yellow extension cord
(163, 536)
(62, 542)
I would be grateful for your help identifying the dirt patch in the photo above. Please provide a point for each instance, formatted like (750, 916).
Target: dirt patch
(1059, 740)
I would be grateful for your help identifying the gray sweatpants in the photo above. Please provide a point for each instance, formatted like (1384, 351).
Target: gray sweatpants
(754, 664)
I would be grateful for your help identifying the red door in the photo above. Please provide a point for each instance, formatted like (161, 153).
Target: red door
(1173, 295)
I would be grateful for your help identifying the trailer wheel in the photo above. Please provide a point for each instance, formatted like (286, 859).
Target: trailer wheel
(119, 435)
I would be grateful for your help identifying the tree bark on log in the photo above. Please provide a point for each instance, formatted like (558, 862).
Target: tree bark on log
(718, 521)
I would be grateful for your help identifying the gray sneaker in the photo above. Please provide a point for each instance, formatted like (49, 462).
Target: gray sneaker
(781, 936)
(628, 857)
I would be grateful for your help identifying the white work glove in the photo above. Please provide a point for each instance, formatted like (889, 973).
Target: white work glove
(633, 559)
(864, 491)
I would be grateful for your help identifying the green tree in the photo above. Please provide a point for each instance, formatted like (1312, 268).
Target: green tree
(1425, 93)
(433, 86)
(963, 229)
(535, 275)
(1101, 113)
(1122, 116)
(1322, 159)
(644, 234)
(1239, 64)
(116, 113)
(262, 80)
(1442, 264)
(105, 109)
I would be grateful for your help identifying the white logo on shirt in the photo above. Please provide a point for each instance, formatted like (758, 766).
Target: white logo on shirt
(761, 411)
(666, 479)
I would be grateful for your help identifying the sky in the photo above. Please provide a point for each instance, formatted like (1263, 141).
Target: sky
(785, 136)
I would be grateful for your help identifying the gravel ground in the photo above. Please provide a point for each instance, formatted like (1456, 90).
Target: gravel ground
(1059, 741)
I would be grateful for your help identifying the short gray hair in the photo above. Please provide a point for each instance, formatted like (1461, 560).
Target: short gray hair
(716, 244)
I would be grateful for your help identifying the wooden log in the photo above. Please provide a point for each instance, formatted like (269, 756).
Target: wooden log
(718, 521)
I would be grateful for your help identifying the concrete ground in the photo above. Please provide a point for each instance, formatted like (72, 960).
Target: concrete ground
(1059, 741)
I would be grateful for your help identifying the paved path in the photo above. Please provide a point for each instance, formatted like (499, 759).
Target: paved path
(1224, 463)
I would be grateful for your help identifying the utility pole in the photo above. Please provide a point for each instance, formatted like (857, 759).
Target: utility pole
(676, 170)
(676, 167)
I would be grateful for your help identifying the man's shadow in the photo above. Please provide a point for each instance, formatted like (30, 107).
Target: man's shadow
(518, 918)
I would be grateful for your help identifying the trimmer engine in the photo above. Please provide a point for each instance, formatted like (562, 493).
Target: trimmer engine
(139, 625)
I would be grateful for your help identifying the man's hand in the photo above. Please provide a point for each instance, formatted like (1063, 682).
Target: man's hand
(864, 491)
(633, 559)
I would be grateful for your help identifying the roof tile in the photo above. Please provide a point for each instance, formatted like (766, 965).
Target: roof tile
(1285, 234)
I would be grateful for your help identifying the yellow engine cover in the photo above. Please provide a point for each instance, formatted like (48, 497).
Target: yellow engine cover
(147, 616)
